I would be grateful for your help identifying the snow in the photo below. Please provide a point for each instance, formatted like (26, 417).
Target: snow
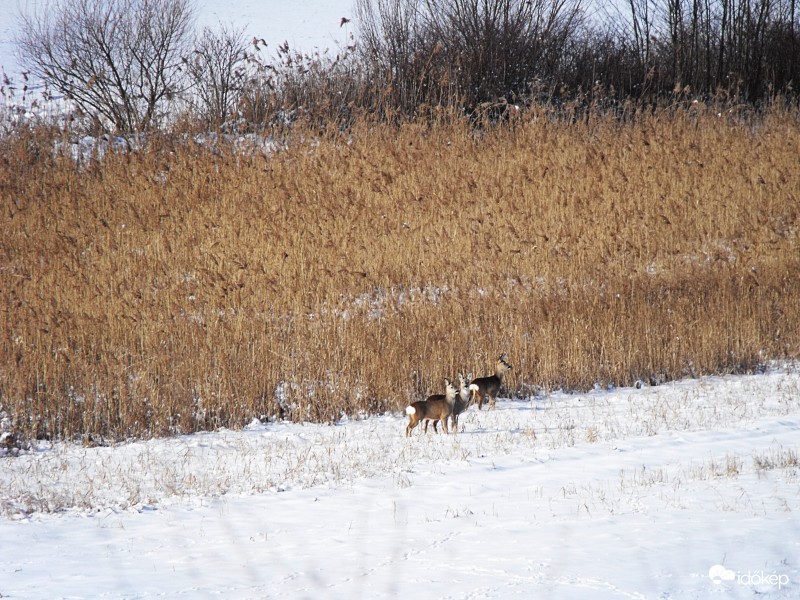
(684, 490)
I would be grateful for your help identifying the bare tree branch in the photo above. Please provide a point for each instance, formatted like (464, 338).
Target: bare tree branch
(118, 60)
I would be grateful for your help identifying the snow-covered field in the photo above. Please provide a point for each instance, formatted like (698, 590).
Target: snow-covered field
(684, 490)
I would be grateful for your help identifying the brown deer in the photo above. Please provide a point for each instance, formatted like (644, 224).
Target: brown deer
(460, 404)
(463, 400)
(436, 408)
(487, 388)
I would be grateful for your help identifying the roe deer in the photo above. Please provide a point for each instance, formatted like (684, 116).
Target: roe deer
(488, 387)
(463, 400)
(437, 407)
(461, 403)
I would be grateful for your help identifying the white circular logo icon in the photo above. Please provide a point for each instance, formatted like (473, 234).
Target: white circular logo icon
(718, 574)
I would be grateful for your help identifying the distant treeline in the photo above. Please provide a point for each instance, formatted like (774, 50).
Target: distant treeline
(137, 65)
(479, 51)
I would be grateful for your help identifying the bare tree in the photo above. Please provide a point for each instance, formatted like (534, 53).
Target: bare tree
(218, 71)
(119, 61)
(500, 46)
(642, 23)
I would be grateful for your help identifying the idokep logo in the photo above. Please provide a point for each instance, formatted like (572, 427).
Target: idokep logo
(719, 574)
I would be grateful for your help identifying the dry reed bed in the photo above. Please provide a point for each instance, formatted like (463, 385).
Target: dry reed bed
(180, 289)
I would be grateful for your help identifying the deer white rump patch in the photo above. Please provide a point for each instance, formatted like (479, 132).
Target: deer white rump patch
(410, 410)
(473, 387)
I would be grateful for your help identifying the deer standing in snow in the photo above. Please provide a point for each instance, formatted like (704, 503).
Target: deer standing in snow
(436, 408)
(463, 400)
(487, 388)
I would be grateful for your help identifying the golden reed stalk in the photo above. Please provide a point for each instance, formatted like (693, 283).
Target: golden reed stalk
(177, 289)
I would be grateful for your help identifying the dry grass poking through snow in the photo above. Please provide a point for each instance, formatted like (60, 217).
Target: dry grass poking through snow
(180, 289)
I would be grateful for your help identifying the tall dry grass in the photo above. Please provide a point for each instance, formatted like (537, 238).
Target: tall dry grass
(178, 289)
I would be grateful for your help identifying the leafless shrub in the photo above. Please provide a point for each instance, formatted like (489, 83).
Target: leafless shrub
(323, 88)
(218, 70)
(403, 60)
(468, 51)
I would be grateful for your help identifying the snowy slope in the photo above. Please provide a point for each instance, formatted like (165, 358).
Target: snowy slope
(628, 493)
